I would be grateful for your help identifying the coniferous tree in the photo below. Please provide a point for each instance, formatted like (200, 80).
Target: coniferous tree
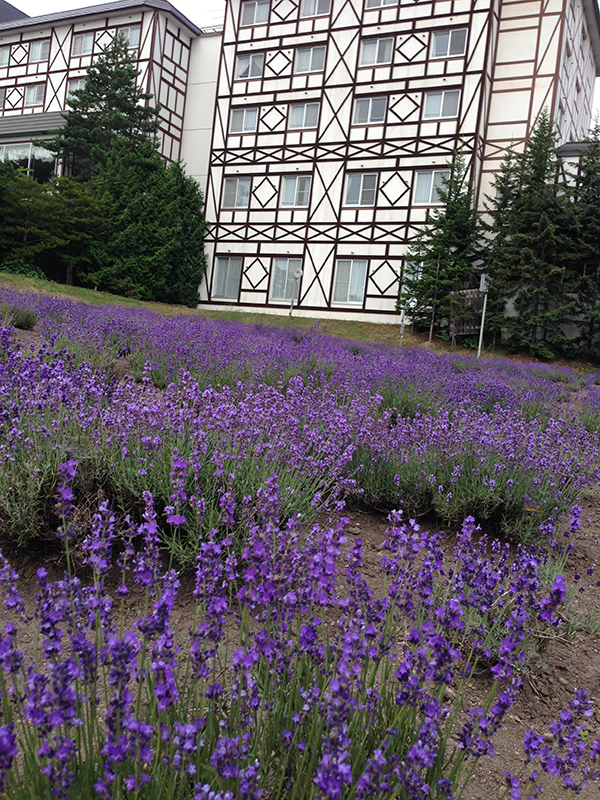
(110, 107)
(441, 258)
(532, 258)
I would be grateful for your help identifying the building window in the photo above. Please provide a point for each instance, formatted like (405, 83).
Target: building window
(2, 98)
(441, 104)
(369, 110)
(449, 43)
(4, 56)
(304, 115)
(376, 51)
(310, 59)
(380, 3)
(236, 193)
(429, 182)
(296, 191)
(350, 279)
(560, 118)
(256, 13)
(40, 51)
(360, 189)
(34, 95)
(83, 44)
(75, 86)
(39, 163)
(132, 36)
(228, 274)
(315, 8)
(285, 286)
(244, 120)
(250, 66)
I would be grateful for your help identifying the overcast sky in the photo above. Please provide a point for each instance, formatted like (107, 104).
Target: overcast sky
(200, 12)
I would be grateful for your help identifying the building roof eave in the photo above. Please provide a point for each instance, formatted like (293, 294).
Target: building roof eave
(592, 15)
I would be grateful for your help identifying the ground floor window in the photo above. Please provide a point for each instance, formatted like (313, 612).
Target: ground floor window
(228, 274)
(350, 277)
(286, 278)
(39, 163)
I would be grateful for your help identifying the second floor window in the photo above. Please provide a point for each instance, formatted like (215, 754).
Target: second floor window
(361, 189)
(376, 51)
(255, 13)
(40, 51)
(304, 115)
(250, 66)
(369, 110)
(228, 274)
(441, 104)
(315, 8)
(244, 120)
(4, 56)
(449, 43)
(285, 286)
(34, 94)
(83, 44)
(132, 35)
(310, 59)
(75, 86)
(236, 193)
(296, 191)
(429, 181)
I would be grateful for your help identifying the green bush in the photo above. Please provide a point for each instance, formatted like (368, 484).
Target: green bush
(18, 266)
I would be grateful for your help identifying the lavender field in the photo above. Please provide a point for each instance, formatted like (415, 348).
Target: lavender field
(149, 445)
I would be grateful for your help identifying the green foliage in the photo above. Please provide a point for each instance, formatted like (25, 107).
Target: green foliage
(18, 266)
(111, 108)
(444, 252)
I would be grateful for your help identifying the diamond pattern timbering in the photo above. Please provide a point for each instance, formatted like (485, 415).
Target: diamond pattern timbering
(265, 192)
(282, 10)
(278, 62)
(256, 272)
(409, 47)
(403, 107)
(19, 55)
(384, 276)
(274, 117)
(394, 188)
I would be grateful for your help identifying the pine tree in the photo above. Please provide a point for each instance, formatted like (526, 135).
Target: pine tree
(111, 107)
(441, 258)
(532, 259)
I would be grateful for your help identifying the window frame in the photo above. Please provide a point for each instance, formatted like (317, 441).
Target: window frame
(352, 261)
(2, 97)
(305, 105)
(236, 206)
(441, 115)
(376, 63)
(297, 191)
(317, 13)
(84, 37)
(311, 48)
(251, 57)
(450, 32)
(432, 187)
(256, 4)
(30, 86)
(127, 37)
(44, 45)
(288, 280)
(361, 203)
(370, 4)
(370, 100)
(245, 111)
(5, 49)
(70, 88)
(229, 259)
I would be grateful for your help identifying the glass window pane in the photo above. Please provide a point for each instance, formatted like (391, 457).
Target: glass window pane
(438, 175)
(433, 105)
(373, 3)
(262, 13)
(133, 37)
(440, 44)
(311, 117)
(251, 119)
(257, 62)
(318, 59)
(243, 193)
(361, 112)
(308, 8)
(369, 52)
(230, 193)
(450, 105)
(292, 285)
(42, 164)
(243, 66)
(237, 120)
(458, 41)
(323, 6)
(384, 53)
(248, 13)
(4, 56)
(303, 191)
(357, 282)
(378, 106)
(369, 185)
(303, 60)
(279, 279)
(353, 190)
(423, 187)
(297, 116)
(221, 277)
(342, 282)
(289, 191)
(234, 274)
(18, 154)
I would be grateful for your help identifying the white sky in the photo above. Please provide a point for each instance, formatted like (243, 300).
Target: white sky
(203, 13)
